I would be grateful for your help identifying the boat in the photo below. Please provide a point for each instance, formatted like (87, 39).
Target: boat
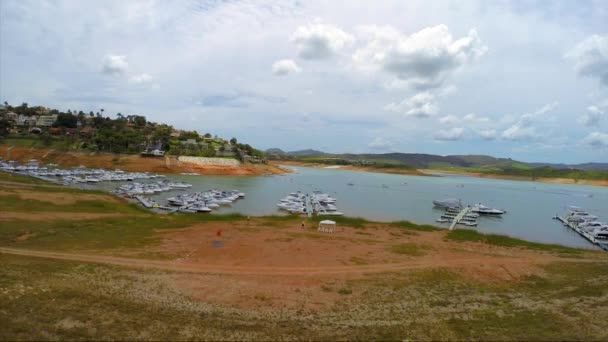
(483, 210)
(448, 203)
(442, 220)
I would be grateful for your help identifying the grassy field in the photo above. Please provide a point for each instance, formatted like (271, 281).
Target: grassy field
(87, 301)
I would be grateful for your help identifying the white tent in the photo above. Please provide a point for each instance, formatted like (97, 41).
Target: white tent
(327, 226)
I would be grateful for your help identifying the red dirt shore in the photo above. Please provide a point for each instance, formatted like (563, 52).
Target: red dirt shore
(132, 163)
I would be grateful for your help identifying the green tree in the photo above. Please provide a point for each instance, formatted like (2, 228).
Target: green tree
(233, 141)
(5, 127)
(66, 120)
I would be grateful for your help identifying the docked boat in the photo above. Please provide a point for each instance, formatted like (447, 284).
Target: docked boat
(483, 210)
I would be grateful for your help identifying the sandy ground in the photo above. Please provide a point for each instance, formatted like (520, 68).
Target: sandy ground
(132, 163)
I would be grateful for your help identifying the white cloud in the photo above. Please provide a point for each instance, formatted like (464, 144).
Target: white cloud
(284, 67)
(592, 117)
(591, 58)
(449, 120)
(319, 41)
(422, 60)
(455, 133)
(487, 134)
(115, 65)
(380, 144)
(522, 129)
(474, 118)
(421, 105)
(597, 140)
(141, 79)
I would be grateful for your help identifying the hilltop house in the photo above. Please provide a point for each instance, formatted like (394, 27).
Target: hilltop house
(25, 120)
(11, 116)
(46, 120)
(193, 142)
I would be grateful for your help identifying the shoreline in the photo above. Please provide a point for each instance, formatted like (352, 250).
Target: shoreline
(411, 172)
(133, 163)
(434, 172)
(521, 178)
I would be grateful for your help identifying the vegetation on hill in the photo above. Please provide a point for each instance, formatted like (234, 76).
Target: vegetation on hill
(130, 134)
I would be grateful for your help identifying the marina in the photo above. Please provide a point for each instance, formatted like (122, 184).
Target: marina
(586, 225)
(406, 198)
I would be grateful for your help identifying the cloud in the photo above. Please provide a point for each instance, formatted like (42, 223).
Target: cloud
(421, 105)
(422, 60)
(451, 134)
(597, 140)
(449, 120)
(284, 67)
(141, 79)
(591, 58)
(474, 118)
(319, 41)
(592, 117)
(487, 134)
(522, 129)
(380, 144)
(115, 65)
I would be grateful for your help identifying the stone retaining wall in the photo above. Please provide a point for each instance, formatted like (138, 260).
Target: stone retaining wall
(209, 161)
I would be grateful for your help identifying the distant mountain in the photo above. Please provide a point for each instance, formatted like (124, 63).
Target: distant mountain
(275, 151)
(584, 166)
(431, 161)
(309, 152)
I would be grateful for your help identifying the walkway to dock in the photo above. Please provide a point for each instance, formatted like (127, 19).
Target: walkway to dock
(459, 217)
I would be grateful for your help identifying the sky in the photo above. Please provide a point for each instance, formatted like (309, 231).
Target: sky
(526, 80)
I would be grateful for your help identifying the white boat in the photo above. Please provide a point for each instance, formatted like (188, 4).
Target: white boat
(483, 210)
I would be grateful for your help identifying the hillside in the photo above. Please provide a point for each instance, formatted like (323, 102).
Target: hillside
(431, 161)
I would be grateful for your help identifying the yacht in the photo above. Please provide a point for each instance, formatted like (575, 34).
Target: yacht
(483, 210)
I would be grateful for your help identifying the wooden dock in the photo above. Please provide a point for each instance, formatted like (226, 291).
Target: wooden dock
(143, 201)
(583, 233)
(459, 217)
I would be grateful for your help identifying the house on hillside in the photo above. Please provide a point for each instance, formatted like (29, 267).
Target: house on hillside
(11, 116)
(46, 120)
(26, 121)
(193, 142)
(55, 130)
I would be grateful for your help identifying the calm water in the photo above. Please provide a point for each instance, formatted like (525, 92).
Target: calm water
(530, 205)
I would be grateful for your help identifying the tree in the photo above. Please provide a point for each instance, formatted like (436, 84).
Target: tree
(140, 121)
(5, 127)
(68, 120)
(233, 141)
(207, 135)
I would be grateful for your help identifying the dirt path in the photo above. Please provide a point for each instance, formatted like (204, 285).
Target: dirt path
(198, 267)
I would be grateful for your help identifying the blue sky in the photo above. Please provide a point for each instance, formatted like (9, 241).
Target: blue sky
(520, 79)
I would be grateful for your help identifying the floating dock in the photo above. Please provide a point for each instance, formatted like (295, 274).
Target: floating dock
(459, 217)
(581, 232)
(144, 201)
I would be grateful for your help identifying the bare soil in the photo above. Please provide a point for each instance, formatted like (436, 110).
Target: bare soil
(131, 163)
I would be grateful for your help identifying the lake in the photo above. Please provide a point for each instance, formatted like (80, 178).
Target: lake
(384, 197)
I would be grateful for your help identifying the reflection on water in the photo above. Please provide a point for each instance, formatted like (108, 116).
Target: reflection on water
(530, 206)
